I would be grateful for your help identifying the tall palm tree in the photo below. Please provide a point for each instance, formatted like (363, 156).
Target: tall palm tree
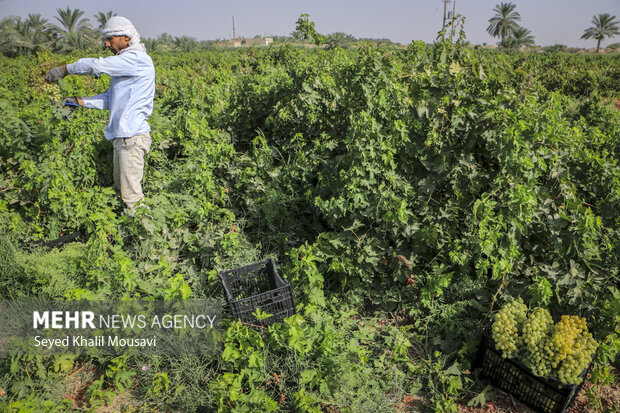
(505, 20)
(39, 29)
(102, 18)
(604, 26)
(76, 32)
(70, 20)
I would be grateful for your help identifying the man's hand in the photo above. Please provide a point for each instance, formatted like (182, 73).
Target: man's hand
(71, 101)
(55, 74)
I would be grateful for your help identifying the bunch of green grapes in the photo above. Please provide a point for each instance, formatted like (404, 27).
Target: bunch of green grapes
(562, 350)
(537, 329)
(50, 89)
(566, 331)
(505, 330)
(579, 358)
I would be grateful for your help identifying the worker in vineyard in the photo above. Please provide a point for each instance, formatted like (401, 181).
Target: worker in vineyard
(129, 100)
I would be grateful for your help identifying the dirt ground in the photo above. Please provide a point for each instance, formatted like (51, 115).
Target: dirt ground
(609, 402)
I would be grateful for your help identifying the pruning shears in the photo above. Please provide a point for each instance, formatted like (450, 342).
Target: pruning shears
(63, 110)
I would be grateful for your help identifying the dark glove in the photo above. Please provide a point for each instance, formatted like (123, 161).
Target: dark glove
(70, 101)
(55, 74)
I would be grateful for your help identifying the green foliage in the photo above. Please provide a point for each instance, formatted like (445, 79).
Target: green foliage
(306, 27)
(328, 360)
(7, 259)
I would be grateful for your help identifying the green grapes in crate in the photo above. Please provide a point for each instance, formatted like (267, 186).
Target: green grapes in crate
(506, 327)
(537, 329)
(564, 335)
(578, 359)
(571, 347)
(562, 351)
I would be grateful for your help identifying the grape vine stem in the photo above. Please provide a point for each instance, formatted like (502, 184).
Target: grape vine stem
(501, 285)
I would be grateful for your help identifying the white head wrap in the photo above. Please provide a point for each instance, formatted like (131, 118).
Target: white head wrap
(120, 26)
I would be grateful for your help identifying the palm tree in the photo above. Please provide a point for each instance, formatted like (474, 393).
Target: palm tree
(604, 26)
(79, 40)
(520, 37)
(21, 28)
(18, 37)
(166, 38)
(185, 44)
(296, 35)
(39, 29)
(339, 39)
(70, 20)
(505, 20)
(152, 45)
(14, 37)
(102, 18)
(77, 33)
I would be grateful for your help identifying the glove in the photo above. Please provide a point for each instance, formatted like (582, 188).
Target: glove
(55, 74)
(70, 101)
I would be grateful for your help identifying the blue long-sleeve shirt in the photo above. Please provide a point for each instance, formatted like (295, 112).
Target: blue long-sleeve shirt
(131, 93)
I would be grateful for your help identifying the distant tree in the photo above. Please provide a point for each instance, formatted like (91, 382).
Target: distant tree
(152, 45)
(185, 44)
(338, 39)
(377, 41)
(282, 39)
(166, 40)
(520, 37)
(306, 27)
(70, 20)
(102, 18)
(505, 20)
(523, 37)
(555, 48)
(604, 26)
(79, 40)
(297, 35)
(12, 40)
(163, 42)
(39, 29)
(19, 36)
(76, 32)
(206, 44)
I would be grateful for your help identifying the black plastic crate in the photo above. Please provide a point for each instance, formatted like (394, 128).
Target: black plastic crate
(512, 376)
(258, 286)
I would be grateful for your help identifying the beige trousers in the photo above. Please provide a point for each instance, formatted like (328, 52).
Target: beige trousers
(129, 166)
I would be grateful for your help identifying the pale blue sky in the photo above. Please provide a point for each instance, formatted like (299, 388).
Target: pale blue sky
(551, 21)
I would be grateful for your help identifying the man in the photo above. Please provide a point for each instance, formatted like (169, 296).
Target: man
(129, 100)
